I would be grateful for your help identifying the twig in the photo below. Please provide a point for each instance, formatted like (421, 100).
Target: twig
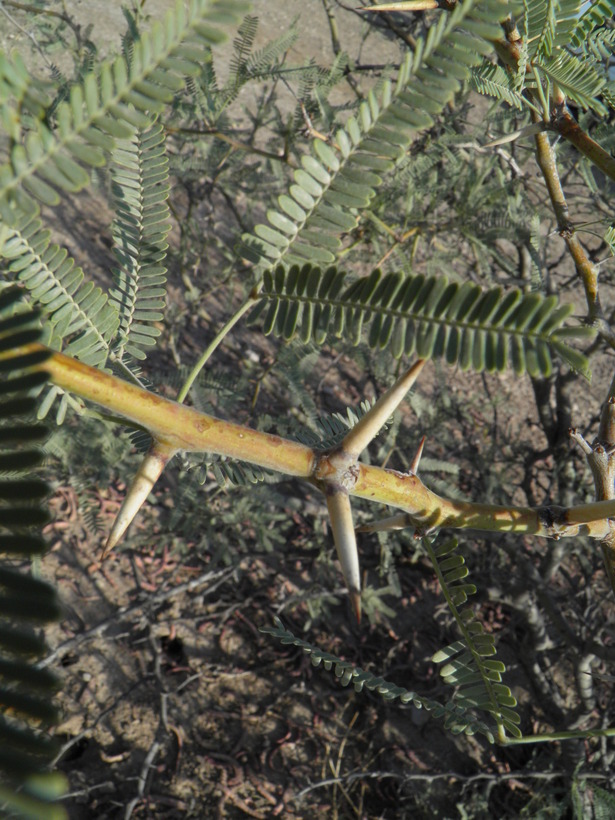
(336, 45)
(338, 765)
(225, 330)
(408, 39)
(239, 146)
(21, 28)
(73, 740)
(142, 779)
(587, 271)
(48, 12)
(186, 429)
(563, 123)
(454, 776)
(216, 578)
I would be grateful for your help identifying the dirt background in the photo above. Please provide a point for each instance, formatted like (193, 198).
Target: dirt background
(175, 705)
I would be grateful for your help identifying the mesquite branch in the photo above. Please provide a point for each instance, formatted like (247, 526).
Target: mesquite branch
(337, 472)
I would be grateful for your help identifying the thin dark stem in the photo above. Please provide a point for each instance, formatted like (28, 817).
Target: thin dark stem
(564, 124)
(388, 20)
(60, 15)
(336, 45)
(240, 146)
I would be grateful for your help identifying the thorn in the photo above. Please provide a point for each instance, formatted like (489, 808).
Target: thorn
(367, 428)
(606, 433)
(393, 522)
(408, 5)
(340, 515)
(527, 131)
(576, 436)
(148, 473)
(414, 466)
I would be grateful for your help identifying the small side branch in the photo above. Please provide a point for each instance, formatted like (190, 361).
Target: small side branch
(567, 127)
(588, 272)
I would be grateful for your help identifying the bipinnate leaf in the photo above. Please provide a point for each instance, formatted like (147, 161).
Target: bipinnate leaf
(467, 664)
(456, 718)
(471, 327)
(121, 95)
(71, 306)
(338, 180)
(140, 189)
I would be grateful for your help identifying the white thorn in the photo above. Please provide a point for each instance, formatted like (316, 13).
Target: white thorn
(368, 427)
(340, 515)
(147, 475)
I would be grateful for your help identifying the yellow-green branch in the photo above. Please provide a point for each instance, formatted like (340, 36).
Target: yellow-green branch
(173, 424)
(182, 428)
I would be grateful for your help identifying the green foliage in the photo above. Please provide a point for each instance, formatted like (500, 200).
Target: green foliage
(469, 664)
(493, 81)
(208, 101)
(73, 308)
(140, 190)
(110, 103)
(322, 206)
(552, 30)
(548, 25)
(589, 23)
(456, 718)
(337, 181)
(591, 798)
(332, 428)
(430, 316)
(227, 471)
(576, 79)
(27, 788)
(247, 64)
